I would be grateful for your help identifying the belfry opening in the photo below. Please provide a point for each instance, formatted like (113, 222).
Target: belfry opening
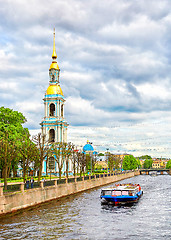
(52, 109)
(52, 135)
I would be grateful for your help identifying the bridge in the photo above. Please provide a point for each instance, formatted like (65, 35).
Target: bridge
(160, 170)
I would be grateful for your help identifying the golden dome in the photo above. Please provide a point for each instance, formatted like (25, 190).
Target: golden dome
(54, 89)
(54, 65)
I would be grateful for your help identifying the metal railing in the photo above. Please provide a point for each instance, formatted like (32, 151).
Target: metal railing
(79, 179)
(49, 183)
(46, 183)
(61, 181)
(70, 180)
(12, 188)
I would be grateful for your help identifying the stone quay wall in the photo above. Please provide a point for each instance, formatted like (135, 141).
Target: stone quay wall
(12, 202)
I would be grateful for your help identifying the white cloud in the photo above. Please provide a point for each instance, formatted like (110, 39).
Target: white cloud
(115, 68)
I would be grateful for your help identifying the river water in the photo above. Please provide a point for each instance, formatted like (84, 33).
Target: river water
(83, 217)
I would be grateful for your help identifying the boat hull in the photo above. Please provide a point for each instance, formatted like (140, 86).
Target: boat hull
(121, 200)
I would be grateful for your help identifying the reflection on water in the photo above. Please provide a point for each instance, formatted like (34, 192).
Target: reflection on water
(83, 217)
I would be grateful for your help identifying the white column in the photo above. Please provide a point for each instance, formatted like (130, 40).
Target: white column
(45, 109)
(63, 110)
(57, 108)
(58, 133)
(62, 133)
(65, 134)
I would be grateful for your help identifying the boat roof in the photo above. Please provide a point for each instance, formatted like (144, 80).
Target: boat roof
(121, 187)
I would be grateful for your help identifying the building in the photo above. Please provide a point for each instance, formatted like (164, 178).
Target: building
(54, 125)
(88, 149)
(158, 163)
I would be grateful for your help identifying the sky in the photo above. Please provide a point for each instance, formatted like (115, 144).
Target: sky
(115, 62)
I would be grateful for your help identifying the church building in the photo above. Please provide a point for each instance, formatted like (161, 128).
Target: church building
(54, 125)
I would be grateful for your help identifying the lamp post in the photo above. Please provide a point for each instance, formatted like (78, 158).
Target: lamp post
(107, 153)
(91, 162)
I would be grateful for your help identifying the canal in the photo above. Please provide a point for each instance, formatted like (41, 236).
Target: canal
(83, 217)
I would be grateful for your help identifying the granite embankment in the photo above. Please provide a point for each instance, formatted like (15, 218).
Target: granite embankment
(12, 202)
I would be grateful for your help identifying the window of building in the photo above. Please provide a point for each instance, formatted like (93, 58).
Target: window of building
(62, 110)
(52, 109)
(52, 135)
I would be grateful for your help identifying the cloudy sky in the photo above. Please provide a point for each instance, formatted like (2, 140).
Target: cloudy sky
(115, 61)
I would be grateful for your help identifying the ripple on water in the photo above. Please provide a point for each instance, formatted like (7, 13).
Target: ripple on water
(83, 217)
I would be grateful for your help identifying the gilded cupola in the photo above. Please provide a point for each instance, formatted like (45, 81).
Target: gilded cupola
(54, 64)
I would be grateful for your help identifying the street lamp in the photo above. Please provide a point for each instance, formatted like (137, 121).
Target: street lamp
(107, 150)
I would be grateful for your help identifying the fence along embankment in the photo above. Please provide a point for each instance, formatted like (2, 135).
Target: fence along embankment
(50, 190)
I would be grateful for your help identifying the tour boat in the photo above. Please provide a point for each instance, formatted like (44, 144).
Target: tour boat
(121, 194)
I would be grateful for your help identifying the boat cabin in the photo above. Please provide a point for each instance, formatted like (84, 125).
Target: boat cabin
(121, 190)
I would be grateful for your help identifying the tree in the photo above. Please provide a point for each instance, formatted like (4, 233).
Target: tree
(129, 163)
(42, 145)
(113, 162)
(74, 158)
(81, 162)
(101, 154)
(29, 154)
(7, 154)
(168, 165)
(145, 157)
(11, 132)
(59, 153)
(139, 163)
(68, 155)
(148, 163)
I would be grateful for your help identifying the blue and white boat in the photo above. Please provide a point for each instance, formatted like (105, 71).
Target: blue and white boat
(121, 194)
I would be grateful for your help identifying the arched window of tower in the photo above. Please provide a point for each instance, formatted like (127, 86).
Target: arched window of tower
(62, 110)
(52, 109)
(52, 135)
(51, 164)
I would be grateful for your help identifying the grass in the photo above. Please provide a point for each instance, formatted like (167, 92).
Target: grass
(20, 179)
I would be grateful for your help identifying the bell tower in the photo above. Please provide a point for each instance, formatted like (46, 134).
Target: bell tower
(54, 125)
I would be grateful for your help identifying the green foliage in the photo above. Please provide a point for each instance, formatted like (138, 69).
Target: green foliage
(139, 163)
(145, 157)
(113, 162)
(148, 163)
(101, 154)
(129, 163)
(98, 167)
(11, 133)
(11, 123)
(168, 165)
(29, 153)
(100, 171)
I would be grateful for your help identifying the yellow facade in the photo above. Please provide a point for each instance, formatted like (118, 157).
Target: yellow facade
(158, 164)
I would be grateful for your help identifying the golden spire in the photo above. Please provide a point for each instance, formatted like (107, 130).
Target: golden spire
(54, 55)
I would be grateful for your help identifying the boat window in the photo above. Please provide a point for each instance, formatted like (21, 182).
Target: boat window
(116, 193)
(107, 192)
(124, 192)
